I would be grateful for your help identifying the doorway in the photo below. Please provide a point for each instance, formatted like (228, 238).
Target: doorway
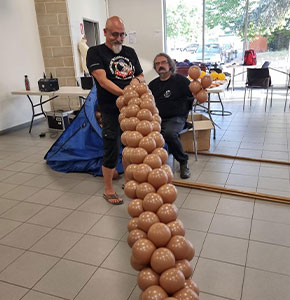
(92, 32)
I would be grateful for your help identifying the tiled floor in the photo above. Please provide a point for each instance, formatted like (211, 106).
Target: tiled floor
(60, 240)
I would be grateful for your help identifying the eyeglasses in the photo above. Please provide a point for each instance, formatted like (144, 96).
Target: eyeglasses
(161, 63)
(117, 34)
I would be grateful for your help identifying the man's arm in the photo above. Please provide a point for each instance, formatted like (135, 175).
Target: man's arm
(138, 79)
(105, 83)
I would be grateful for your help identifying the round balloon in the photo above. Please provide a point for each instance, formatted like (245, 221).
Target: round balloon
(152, 202)
(179, 247)
(135, 264)
(133, 224)
(141, 88)
(146, 220)
(134, 100)
(157, 177)
(132, 110)
(186, 294)
(141, 173)
(138, 155)
(130, 189)
(135, 208)
(168, 171)
(167, 213)
(147, 143)
(147, 277)
(194, 72)
(206, 81)
(142, 251)
(144, 127)
(162, 153)
(192, 285)
(153, 160)
(168, 192)
(145, 114)
(154, 292)
(176, 227)
(172, 280)
(135, 235)
(159, 234)
(162, 259)
(143, 189)
(133, 139)
(185, 267)
(195, 86)
(129, 172)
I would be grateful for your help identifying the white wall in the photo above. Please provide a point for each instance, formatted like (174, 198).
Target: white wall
(94, 10)
(20, 54)
(145, 17)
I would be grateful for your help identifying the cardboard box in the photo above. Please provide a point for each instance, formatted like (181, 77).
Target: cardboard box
(202, 126)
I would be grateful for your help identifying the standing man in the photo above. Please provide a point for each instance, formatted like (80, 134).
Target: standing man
(113, 66)
(174, 100)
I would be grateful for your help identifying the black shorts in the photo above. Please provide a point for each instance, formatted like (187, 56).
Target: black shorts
(111, 139)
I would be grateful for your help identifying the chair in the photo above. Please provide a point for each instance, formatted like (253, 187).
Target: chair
(266, 64)
(288, 88)
(258, 79)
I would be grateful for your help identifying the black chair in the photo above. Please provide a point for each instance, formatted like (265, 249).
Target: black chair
(258, 79)
(288, 88)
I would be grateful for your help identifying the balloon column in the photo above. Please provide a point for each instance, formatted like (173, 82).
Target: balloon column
(159, 249)
(198, 85)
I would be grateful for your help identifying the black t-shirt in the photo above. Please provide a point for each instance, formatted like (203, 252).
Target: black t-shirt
(171, 96)
(120, 68)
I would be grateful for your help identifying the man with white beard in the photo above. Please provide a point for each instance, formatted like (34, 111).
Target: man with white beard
(113, 66)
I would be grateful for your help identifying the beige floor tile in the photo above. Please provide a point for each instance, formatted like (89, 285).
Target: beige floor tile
(218, 278)
(274, 172)
(245, 170)
(200, 202)
(204, 296)
(243, 180)
(56, 242)
(50, 216)
(120, 210)
(44, 196)
(96, 204)
(70, 200)
(196, 220)
(87, 187)
(135, 294)
(18, 178)
(21, 192)
(41, 181)
(79, 221)
(24, 236)
(225, 248)
(241, 188)
(28, 269)
(109, 285)
(17, 166)
(196, 238)
(6, 187)
(270, 232)
(91, 250)
(7, 226)
(65, 279)
(212, 177)
(218, 167)
(6, 204)
(22, 211)
(110, 227)
(11, 292)
(8, 255)
(273, 192)
(261, 285)
(231, 226)
(63, 184)
(274, 258)
(274, 183)
(33, 295)
(236, 206)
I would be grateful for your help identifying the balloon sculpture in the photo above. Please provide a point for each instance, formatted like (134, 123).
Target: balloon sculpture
(159, 249)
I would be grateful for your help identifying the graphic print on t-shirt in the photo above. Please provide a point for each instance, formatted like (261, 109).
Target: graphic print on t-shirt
(121, 67)
(167, 94)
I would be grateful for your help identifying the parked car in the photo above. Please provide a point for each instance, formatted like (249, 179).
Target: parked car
(191, 48)
(228, 52)
(212, 54)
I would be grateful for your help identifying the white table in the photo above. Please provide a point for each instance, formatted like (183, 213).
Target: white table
(63, 91)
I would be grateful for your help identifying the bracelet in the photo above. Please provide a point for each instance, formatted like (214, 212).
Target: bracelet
(138, 79)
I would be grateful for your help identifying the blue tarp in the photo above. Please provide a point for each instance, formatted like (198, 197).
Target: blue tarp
(80, 147)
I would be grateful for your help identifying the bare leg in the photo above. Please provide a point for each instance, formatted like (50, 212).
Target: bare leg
(108, 177)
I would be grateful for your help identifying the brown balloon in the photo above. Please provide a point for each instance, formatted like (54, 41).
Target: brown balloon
(191, 251)
(145, 114)
(121, 117)
(141, 173)
(130, 171)
(192, 285)
(135, 208)
(146, 96)
(146, 220)
(133, 139)
(167, 213)
(156, 126)
(201, 96)
(120, 102)
(135, 235)
(128, 88)
(147, 277)
(158, 138)
(138, 155)
(124, 124)
(157, 118)
(143, 189)
(142, 251)
(132, 110)
(206, 81)
(162, 259)
(154, 292)
(179, 247)
(159, 234)
(168, 171)
(195, 86)
(130, 189)
(141, 88)
(133, 224)
(131, 125)
(126, 153)
(147, 143)
(134, 100)
(157, 178)
(176, 227)
(194, 72)
(153, 160)
(168, 192)
(144, 127)
(185, 267)
(152, 202)
(172, 280)
(136, 265)
(162, 153)
(186, 294)
(129, 95)
(168, 298)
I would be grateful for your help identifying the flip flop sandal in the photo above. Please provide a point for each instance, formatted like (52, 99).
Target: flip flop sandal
(111, 197)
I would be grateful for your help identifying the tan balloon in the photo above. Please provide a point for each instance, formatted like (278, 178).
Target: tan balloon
(206, 81)
(148, 104)
(162, 153)
(136, 265)
(201, 96)
(194, 72)
(126, 153)
(152, 202)
(121, 117)
(131, 125)
(167, 213)
(157, 178)
(158, 138)
(146, 220)
(179, 247)
(133, 224)
(186, 294)
(141, 88)
(145, 114)
(142, 251)
(135, 208)
(132, 110)
(156, 126)
(147, 277)
(162, 259)
(185, 267)
(168, 298)
(138, 155)
(159, 234)
(147, 143)
(147, 95)
(120, 102)
(191, 251)
(153, 160)
(168, 192)
(128, 88)
(141, 173)
(134, 100)
(133, 139)
(172, 280)
(168, 171)
(143, 189)
(124, 124)
(157, 118)
(195, 86)
(130, 171)
(176, 227)
(192, 285)
(154, 292)
(129, 95)
(135, 235)
(130, 189)
(144, 127)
